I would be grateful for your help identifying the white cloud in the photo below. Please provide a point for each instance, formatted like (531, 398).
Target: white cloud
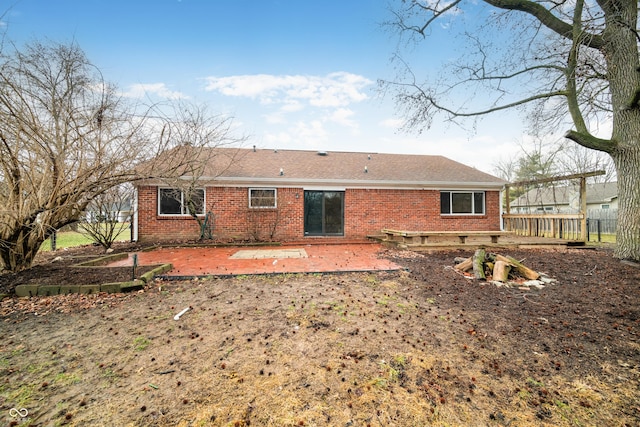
(334, 90)
(275, 118)
(307, 135)
(143, 90)
(343, 116)
(311, 134)
(277, 140)
(392, 123)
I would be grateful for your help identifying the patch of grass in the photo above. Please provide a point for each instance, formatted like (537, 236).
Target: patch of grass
(109, 374)
(22, 396)
(534, 383)
(604, 238)
(383, 301)
(141, 343)
(404, 308)
(524, 395)
(400, 360)
(68, 239)
(378, 382)
(371, 279)
(66, 379)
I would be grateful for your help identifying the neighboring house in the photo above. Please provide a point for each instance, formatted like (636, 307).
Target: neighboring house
(290, 195)
(566, 199)
(119, 212)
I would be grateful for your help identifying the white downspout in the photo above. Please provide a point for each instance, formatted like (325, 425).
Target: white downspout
(134, 217)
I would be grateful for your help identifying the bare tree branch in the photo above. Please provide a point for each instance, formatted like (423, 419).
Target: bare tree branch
(544, 16)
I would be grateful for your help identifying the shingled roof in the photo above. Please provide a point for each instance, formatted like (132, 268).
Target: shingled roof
(232, 166)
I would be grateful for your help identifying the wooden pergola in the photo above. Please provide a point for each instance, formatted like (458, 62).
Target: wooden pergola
(524, 223)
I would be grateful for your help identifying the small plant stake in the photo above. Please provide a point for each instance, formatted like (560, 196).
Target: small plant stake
(135, 266)
(177, 316)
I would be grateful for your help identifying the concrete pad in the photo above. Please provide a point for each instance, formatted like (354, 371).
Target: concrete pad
(233, 261)
(269, 254)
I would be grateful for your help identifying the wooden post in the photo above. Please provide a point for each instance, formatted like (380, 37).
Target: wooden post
(583, 209)
(507, 224)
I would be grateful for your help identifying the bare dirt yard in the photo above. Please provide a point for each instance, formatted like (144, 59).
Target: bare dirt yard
(421, 347)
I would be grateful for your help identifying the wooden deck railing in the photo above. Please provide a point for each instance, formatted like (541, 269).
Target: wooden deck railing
(557, 226)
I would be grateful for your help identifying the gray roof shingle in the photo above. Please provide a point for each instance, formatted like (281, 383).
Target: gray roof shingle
(371, 170)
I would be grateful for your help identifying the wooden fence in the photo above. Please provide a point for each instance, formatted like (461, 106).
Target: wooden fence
(557, 226)
(567, 226)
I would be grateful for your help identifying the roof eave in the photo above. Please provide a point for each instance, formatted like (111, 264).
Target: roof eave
(351, 183)
(346, 183)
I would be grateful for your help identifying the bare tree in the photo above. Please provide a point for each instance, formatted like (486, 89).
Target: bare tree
(66, 137)
(570, 64)
(576, 159)
(108, 215)
(191, 127)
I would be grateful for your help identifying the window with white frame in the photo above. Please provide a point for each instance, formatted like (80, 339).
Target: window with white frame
(261, 198)
(175, 201)
(462, 202)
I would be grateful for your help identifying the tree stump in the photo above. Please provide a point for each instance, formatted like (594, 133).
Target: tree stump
(478, 264)
(501, 271)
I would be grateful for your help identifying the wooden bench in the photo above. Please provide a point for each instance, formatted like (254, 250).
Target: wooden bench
(422, 237)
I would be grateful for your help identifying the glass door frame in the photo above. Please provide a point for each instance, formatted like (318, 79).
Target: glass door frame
(322, 214)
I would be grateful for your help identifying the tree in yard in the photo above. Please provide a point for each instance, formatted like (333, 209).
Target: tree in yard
(534, 163)
(572, 64)
(66, 137)
(191, 127)
(108, 215)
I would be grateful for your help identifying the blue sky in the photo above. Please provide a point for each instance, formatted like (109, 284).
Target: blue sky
(294, 74)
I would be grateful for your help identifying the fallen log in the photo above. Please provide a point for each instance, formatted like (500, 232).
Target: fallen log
(465, 265)
(478, 264)
(501, 271)
(521, 268)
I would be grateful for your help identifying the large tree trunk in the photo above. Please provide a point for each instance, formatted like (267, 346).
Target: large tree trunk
(626, 153)
(628, 229)
(18, 254)
(621, 54)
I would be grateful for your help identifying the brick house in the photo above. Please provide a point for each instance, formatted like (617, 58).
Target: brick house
(293, 195)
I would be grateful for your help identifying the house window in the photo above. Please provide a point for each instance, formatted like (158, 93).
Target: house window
(174, 201)
(604, 206)
(462, 202)
(260, 198)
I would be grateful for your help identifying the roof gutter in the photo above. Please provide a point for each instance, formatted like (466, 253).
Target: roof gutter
(286, 182)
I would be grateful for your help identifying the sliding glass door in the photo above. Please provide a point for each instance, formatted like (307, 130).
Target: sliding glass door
(324, 213)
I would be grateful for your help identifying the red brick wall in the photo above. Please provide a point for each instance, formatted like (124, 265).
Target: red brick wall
(366, 212)
(369, 211)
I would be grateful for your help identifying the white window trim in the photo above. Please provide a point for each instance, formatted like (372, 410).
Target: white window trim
(472, 192)
(275, 197)
(204, 205)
